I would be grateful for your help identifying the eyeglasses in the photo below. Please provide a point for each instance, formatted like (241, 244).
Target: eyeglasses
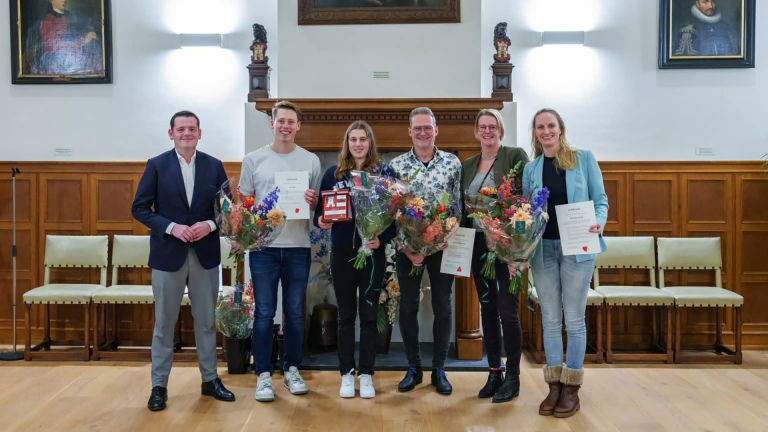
(420, 129)
(489, 128)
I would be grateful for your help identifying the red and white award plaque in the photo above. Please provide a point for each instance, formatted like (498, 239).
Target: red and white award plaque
(336, 206)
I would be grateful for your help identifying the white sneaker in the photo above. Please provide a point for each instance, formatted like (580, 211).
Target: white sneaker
(347, 389)
(264, 392)
(366, 386)
(294, 382)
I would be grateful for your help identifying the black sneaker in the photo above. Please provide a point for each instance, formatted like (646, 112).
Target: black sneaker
(412, 378)
(440, 381)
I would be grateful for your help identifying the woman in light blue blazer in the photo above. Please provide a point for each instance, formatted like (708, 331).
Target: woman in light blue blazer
(562, 282)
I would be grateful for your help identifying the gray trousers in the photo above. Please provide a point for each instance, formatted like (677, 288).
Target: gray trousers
(168, 289)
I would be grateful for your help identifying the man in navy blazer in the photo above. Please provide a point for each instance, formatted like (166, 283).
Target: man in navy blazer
(175, 199)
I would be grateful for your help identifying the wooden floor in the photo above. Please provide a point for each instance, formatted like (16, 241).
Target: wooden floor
(107, 396)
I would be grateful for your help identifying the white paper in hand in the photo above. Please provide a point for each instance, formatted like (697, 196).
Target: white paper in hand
(292, 185)
(574, 221)
(457, 257)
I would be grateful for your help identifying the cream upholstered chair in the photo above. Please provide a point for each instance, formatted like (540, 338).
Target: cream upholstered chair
(536, 330)
(65, 251)
(128, 251)
(634, 253)
(700, 254)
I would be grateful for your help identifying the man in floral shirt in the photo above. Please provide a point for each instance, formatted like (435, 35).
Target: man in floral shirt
(432, 172)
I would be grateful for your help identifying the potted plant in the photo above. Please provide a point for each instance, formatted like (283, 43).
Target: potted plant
(234, 319)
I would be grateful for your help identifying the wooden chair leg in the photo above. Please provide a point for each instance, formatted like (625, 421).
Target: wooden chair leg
(608, 336)
(668, 343)
(599, 335)
(115, 338)
(47, 337)
(27, 333)
(654, 328)
(87, 331)
(94, 315)
(737, 334)
(678, 318)
(718, 330)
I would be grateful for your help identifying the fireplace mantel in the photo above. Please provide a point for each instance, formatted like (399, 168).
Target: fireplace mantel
(325, 120)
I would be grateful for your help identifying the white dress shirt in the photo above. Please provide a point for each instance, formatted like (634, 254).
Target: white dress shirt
(188, 175)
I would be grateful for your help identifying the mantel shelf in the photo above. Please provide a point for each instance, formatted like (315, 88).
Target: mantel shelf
(325, 120)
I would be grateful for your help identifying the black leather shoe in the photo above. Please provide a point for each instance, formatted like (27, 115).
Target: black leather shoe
(509, 390)
(157, 399)
(413, 377)
(216, 389)
(440, 381)
(495, 378)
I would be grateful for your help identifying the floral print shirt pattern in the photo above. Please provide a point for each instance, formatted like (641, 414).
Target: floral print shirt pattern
(443, 173)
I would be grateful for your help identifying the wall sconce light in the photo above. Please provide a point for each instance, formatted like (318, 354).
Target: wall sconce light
(562, 38)
(189, 40)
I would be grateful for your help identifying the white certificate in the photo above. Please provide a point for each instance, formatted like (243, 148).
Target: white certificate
(457, 257)
(574, 221)
(292, 185)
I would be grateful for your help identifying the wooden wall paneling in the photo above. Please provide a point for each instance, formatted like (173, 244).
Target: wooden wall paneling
(751, 255)
(27, 256)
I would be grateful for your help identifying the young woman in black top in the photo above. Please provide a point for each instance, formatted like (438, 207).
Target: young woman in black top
(358, 152)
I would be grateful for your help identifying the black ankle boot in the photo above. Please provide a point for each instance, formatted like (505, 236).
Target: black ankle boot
(495, 379)
(508, 390)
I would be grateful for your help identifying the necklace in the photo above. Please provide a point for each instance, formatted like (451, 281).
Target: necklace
(488, 158)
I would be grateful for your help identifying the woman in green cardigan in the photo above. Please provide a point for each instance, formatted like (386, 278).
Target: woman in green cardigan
(487, 169)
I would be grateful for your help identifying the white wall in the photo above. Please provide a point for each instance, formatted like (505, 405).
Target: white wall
(614, 99)
(430, 60)
(153, 79)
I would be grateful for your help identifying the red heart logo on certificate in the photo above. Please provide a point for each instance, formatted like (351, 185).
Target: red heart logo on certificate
(458, 269)
(297, 210)
(585, 248)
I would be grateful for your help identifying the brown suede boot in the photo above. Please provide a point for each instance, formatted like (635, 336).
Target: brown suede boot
(552, 377)
(568, 403)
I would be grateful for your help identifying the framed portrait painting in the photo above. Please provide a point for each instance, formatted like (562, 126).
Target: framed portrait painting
(332, 12)
(61, 42)
(703, 34)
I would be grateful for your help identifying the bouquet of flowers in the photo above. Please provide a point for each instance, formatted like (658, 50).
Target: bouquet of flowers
(376, 199)
(389, 298)
(425, 224)
(513, 226)
(234, 312)
(247, 225)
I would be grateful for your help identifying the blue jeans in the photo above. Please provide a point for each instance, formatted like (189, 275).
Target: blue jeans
(269, 267)
(562, 285)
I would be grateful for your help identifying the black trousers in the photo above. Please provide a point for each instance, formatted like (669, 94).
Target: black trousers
(497, 302)
(410, 290)
(346, 282)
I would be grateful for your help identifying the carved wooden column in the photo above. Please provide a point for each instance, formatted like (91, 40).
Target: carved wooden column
(324, 122)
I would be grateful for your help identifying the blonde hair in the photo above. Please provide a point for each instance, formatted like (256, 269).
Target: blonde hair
(491, 113)
(286, 105)
(346, 161)
(566, 157)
